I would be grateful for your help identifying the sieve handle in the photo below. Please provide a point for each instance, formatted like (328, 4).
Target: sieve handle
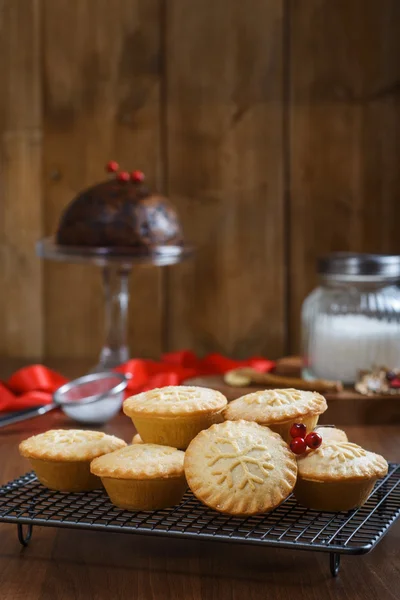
(24, 415)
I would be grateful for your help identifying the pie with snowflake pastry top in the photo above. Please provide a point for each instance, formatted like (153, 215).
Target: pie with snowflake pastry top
(142, 476)
(278, 409)
(174, 415)
(240, 468)
(61, 457)
(338, 476)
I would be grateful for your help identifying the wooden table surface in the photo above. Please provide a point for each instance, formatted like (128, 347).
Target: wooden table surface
(84, 565)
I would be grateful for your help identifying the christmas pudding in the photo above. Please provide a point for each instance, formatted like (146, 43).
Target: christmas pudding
(120, 213)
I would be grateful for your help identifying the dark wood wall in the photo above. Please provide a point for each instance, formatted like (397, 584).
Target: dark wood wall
(274, 126)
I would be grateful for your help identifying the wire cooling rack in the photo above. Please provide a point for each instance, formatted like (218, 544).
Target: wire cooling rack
(25, 501)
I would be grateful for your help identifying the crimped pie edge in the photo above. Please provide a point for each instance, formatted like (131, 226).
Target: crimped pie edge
(32, 447)
(138, 404)
(100, 467)
(211, 497)
(235, 412)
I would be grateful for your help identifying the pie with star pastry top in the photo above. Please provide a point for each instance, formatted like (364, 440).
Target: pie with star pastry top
(142, 476)
(61, 457)
(337, 476)
(174, 415)
(278, 409)
(240, 468)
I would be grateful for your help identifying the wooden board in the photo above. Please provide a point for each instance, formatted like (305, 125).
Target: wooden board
(346, 408)
(102, 102)
(344, 132)
(224, 145)
(21, 319)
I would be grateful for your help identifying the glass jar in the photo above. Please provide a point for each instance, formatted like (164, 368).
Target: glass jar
(351, 322)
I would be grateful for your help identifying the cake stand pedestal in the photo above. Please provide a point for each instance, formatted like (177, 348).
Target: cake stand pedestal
(116, 266)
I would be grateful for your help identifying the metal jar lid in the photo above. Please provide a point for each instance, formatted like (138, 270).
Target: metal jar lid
(347, 266)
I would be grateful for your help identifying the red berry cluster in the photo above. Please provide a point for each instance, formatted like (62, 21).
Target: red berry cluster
(393, 378)
(303, 440)
(135, 176)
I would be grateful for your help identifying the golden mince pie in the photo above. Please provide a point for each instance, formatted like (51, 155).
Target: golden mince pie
(337, 476)
(174, 415)
(240, 468)
(137, 439)
(142, 476)
(278, 409)
(333, 434)
(61, 457)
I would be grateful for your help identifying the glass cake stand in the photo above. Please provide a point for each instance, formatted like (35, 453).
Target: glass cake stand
(116, 266)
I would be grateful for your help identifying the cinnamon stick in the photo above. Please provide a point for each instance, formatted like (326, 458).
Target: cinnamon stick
(248, 376)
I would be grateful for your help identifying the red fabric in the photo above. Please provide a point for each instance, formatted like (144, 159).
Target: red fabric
(34, 385)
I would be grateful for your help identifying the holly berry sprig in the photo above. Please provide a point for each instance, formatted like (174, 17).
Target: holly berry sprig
(303, 440)
(136, 176)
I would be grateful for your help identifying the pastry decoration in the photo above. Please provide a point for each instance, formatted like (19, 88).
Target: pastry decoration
(278, 397)
(241, 457)
(379, 380)
(303, 440)
(343, 451)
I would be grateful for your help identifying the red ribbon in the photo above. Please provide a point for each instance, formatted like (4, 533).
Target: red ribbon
(34, 385)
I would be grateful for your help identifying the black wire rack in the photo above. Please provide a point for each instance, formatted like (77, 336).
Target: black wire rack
(25, 501)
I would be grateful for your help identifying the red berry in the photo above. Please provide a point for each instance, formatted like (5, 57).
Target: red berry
(298, 430)
(123, 176)
(137, 176)
(112, 166)
(313, 440)
(395, 382)
(298, 445)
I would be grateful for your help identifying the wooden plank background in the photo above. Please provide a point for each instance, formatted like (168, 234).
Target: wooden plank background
(21, 274)
(344, 134)
(101, 100)
(224, 127)
(274, 130)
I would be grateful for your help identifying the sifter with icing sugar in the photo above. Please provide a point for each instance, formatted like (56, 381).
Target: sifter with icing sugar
(92, 399)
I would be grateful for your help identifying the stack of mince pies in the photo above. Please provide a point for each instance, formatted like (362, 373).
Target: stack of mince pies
(241, 459)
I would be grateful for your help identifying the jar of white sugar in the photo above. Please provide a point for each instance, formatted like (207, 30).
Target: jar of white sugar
(351, 322)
